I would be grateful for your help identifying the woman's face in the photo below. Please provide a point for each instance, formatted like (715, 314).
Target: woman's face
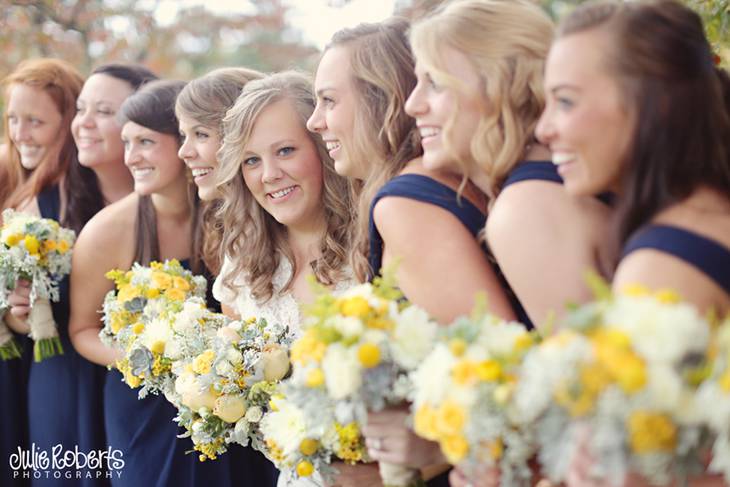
(585, 122)
(433, 106)
(95, 128)
(199, 148)
(282, 168)
(152, 158)
(334, 115)
(34, 125)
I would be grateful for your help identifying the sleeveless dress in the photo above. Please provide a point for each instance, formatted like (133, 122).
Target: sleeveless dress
(65, 401)
(281, 308)
(14, 408)
(708, 256)
(146, 437)
(427, 190)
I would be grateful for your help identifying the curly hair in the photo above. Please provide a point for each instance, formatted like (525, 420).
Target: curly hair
(251, 233)
(507, 42)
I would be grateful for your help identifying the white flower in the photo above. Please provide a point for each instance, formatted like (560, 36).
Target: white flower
(223, 368)
(286, 427)
(341, 371)
(228, 334)
(413, 337)
(348, 326)
(156, 332)
(432, 378)
(234, 356)
(174, 350)
(499, 338)
(254, 414)
(230, 408)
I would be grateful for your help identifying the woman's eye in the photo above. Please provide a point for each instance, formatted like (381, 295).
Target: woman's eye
(201, 135)
(285, 151)
(250, 161)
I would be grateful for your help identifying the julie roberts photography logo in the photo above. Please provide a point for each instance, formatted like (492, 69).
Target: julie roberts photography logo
(60, 462)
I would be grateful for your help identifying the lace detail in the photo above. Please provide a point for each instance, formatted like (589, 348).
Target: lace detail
(282, 308)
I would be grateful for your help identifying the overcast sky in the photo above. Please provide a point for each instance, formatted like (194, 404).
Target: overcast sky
(314, 18)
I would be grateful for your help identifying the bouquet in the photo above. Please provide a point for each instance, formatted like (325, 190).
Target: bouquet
(715, 391)
(463, 392)
(37, 250)
(355, 356)
(625, 368)
(139, 315)
(225, 380)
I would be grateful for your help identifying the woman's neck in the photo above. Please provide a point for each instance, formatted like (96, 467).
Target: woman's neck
(305, 243)
(172, 202)
(115, 182)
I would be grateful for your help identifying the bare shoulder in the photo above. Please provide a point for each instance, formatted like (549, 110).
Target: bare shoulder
(110, 233)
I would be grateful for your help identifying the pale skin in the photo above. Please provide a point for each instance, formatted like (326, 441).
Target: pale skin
(580, 122)
(107, 241)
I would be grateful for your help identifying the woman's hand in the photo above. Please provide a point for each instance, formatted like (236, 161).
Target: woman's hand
(360, 475)
(483, 477)
(390, 440)
(19, 300)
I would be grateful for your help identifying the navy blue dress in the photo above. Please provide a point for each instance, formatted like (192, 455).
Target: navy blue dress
(146, 436)
(706, 255)
(427, 190)
(14, 409)
(65, 410)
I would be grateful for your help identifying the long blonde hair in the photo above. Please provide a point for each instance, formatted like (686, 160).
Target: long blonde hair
(507, 42)
(385, 137)
(206, 100)
(253, 239)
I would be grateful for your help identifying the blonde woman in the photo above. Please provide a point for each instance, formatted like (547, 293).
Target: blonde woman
(285, 211)
(200, 108)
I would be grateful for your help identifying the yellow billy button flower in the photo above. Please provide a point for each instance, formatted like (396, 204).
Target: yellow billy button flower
(450, 418)
(305, 468)
(523, 342)
(138, 328)
(356, 306)
(489, 370)
(158, 347)
(630, 373)
(315, 378)
(308, 446)
(369, 355)
(307, 348)
(667, 296)
(31, 244)
(455, 448)
(152, 293)
(635, 290)
(725, 381)
(496, 449)
(651, 432)
(457, 346)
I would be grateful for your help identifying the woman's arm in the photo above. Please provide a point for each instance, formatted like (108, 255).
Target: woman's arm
(441, 267)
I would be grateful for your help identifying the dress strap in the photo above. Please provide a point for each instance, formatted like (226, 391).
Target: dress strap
(49, 202)
(545, 171)
(427, 190)
(707, 255)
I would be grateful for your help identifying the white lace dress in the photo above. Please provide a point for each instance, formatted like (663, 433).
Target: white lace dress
(281, 308)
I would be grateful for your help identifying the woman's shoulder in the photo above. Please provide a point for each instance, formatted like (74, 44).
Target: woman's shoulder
(112, 223)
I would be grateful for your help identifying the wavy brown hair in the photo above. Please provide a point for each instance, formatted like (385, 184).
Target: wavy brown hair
(385, 137)
(206, 100)
(253, 239)
(507, 42)
(63, 84)
(665, 69)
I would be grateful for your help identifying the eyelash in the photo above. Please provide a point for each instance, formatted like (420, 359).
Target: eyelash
(250, 161)
(288, 149)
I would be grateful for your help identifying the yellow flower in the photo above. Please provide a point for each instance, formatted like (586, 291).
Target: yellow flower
(496, 449)
(203, 363)
(725, 381)
(369, 355)
(315, 378)
(49, 246)
(465, 372)
(308, 446)
(307, 349)
(158, 347)
(350, 442)
(305, 468)
(356, 306)
(489, 370)
(175, 294)
(457, 347)
(635, 290)
(379, 323)
(31, 244)
(523, 342)
(152, 293)
(455, 448)
(630, 373)
(450, 418)
(12, 239)
(128, 292)
(180, 283)
(161, 280)
(138, 328)
(156, 265)
(424, 422)
(63, 246)
(118, 321)
(667, 296)
(651, 432)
